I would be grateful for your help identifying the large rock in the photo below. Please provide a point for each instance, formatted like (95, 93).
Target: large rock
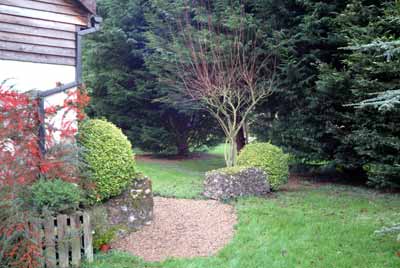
(133, 208)
(234, 182)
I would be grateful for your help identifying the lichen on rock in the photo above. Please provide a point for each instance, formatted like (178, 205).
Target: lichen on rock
(228, 183)
(133, 208)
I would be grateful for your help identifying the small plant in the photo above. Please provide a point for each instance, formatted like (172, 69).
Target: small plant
(103, 233)
(55, 196)
(109, 157)
(268, 157)
(103, 240)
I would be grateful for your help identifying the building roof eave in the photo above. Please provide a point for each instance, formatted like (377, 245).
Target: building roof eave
(90, 5)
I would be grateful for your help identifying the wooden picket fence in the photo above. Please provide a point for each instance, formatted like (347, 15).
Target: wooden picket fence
(66, 240)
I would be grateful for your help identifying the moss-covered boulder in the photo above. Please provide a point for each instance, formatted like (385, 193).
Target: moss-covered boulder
(123, 214)
(134, 207)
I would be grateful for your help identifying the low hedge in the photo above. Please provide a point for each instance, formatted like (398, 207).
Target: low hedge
(268, 157)
(109, 157)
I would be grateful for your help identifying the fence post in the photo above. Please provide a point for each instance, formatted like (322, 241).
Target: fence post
(38, 237)
(75, 228)
(63, 255)
(49, 237)
(87, 236)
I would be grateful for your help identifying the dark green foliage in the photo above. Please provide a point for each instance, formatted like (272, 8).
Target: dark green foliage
(330, 55)
(126, 86)
(374, 136)
(324, 67)
(306, 30)
(268, 157)
(54, 196)
(108, 154)
(383, 175)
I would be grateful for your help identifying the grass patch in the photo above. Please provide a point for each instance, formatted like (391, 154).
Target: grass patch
(218, 150)
(330, 227)
(115, 260)
(327, 227)
(183, 179)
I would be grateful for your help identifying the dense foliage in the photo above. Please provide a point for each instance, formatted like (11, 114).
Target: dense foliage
(21, 158)
(331, 56)
(54, 196)
(268, 157)
(323, 70)
(109, 156)
(19, 124)
(125, 77)
(22, 162)
(212, 61)
(19, 247)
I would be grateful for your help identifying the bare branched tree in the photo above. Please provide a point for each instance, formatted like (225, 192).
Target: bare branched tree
(225, 71)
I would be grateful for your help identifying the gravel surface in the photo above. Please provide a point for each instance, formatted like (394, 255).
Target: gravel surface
(182, 229)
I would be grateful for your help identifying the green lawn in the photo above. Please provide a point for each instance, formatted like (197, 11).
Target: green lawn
(312, 227)
(182, 179)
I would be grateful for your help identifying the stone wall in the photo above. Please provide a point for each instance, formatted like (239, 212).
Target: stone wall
(230, 183)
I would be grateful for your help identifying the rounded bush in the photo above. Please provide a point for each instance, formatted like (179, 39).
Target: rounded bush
(268, 157)
(108, 154)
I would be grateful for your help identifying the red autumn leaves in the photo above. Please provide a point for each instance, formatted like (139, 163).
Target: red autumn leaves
(20, 159)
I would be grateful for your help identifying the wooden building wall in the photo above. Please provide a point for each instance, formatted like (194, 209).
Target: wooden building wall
(41, 31)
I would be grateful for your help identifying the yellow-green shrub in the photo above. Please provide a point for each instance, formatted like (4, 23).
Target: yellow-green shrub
(108, 154)
(268, 157)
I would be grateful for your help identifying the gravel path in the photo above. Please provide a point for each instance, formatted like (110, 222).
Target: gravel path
(182, 229)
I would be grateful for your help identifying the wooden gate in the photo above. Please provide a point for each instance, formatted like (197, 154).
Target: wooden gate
(66, 240)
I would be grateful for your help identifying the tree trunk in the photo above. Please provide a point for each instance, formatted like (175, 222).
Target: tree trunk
(234, 153)
(230, 152)
(182, 147)
(240, 139)
(179, 127)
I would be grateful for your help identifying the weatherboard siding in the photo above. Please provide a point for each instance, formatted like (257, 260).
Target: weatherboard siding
(41, 31)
